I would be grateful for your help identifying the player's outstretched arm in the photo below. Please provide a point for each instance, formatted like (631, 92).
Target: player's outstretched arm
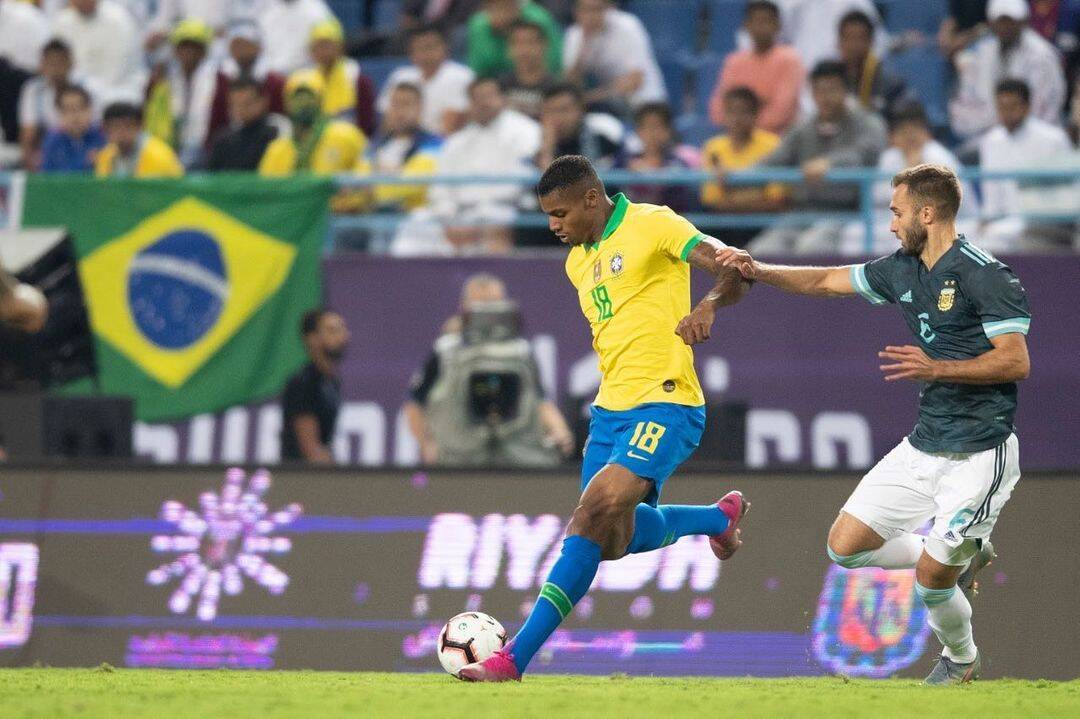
(817, 281)
(730, 287)
(1008, 361)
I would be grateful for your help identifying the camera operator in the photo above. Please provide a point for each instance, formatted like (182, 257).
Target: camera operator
(477, 400)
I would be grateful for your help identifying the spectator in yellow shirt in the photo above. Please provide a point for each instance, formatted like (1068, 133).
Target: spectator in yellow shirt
(742, 147)
(132, 152)
(318, 144)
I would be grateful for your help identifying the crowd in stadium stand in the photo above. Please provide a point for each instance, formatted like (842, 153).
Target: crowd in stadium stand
(151, 88)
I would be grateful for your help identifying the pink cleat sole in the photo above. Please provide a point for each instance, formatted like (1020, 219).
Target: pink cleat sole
(499, 667)
(735, 506)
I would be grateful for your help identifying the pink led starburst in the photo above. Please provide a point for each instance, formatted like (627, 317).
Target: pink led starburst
(221, 543)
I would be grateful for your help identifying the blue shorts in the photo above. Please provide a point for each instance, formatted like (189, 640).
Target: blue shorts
(651, 440)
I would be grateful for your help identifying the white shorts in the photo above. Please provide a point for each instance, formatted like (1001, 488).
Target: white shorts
(962, 493)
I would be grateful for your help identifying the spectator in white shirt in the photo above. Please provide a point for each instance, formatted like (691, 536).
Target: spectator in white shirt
(37, 103)
(1022, 141)
(477, 217)
(286, 29)
(104, 42)
(812, 27)
(1012, 50)
(910, 143)
(609, 52)
(443, 82)
(23, 32)
(215, 13)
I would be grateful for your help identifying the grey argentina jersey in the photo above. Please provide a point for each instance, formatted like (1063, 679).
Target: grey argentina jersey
(953, 310)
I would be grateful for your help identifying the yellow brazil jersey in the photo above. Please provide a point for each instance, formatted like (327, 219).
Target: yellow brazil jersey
(337, 150)
(634, 287)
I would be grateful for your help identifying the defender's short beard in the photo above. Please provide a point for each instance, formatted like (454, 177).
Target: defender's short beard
(915, 238)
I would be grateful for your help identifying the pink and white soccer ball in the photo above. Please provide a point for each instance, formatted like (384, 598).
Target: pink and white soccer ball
(469, 637)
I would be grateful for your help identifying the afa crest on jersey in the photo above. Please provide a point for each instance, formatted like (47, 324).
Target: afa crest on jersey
(175, 288)
(870, 622)
(947, 297)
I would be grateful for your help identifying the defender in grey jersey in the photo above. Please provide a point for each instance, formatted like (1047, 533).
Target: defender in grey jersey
(969, 315)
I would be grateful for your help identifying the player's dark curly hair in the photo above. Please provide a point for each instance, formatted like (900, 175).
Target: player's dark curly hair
(568, 171)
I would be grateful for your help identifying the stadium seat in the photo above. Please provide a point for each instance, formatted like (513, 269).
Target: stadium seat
(927, 74)
(349, 12)
(674, 69)
(903, 15)
(379, 68)
(694, 129)
(386, 16)
(725, 19)
(706, 71)
(671, 24)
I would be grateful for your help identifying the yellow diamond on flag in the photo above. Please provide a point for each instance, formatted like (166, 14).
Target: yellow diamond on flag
(172, 291)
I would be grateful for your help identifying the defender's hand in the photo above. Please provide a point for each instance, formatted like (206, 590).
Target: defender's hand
(696, 327)
(739, 259)
(909, 362)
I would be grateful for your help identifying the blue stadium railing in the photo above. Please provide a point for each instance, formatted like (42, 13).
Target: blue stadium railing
(867, 213)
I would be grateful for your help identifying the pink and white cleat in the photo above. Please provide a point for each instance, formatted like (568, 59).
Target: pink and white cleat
(499, 667)
(735, 506)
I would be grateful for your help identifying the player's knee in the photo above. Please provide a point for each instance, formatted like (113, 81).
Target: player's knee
(596, 513)
(854, 560)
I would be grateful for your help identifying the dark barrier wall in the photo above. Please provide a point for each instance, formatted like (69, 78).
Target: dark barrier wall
(806, 368)
(332, 570)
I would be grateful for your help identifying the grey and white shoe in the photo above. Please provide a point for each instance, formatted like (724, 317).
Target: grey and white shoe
(947, 672)
(966, 580)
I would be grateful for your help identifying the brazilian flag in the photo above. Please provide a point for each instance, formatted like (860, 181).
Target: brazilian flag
(194, 287)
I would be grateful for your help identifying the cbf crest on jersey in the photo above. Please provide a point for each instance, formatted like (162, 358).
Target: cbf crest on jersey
(870, 622)
(188, 283)
(616, 264)
(947, 296)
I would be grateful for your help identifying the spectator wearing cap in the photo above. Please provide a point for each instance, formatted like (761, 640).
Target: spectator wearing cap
(874, 87)
(609, 53)
(130, 151)
(104, 42)
(1022, 141)
(769, 69)
(286, 30)
(489, 29)
(348, 93)
(76, 141)
(37, 102)
(180, 94)
(1012, 50)
(318, 144)
(245, 61)
(215, 13)
(443, 82)
(242, 147)
(23, 32)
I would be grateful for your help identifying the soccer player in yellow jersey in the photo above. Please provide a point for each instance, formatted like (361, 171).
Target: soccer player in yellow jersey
(630, 264)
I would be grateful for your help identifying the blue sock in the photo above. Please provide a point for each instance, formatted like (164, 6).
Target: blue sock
(656, 527)
(565, 586)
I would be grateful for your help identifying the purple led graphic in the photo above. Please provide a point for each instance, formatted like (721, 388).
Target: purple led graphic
(472, 604)
(420, 606)
(772, 584)
(176, 650)
(419, 480)
(1000, 578)
(361, 592)
(702, 608)
(584, 608)
(421, 644)
(221, 543)
(641, 607)
(18, 586)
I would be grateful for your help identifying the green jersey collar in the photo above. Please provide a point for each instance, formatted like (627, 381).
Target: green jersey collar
(621, 203)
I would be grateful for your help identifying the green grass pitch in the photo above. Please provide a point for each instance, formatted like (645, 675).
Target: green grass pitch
(108, 693)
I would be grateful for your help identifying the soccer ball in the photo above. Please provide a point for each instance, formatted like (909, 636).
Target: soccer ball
(467, 638)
